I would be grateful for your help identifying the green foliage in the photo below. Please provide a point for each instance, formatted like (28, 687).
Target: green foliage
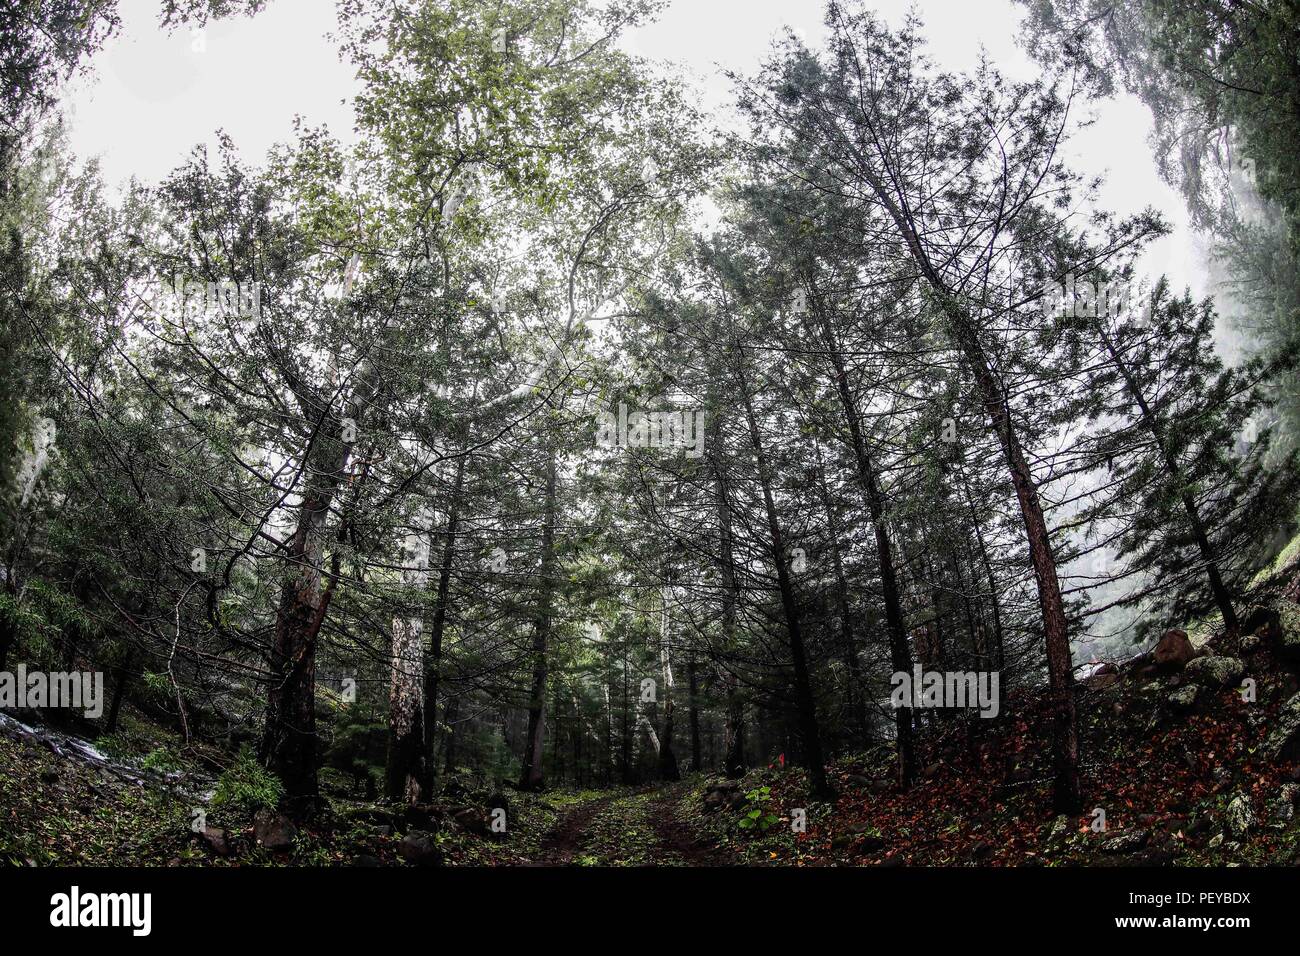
(162, 759)
(116, 746)
(158, 684)
(359, 746)
(756, 814)
(247, 786)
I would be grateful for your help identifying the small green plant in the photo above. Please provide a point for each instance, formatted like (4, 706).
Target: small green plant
(755, 813)
(162, 759)
(247, 786)
(115, 746)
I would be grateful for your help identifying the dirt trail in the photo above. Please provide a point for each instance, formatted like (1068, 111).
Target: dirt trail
(679, 839)
(564, 841)
(632, 829)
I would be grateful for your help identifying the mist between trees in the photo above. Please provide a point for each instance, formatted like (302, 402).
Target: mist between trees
(484, 424)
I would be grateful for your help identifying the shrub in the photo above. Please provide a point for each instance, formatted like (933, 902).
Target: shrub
(247, 786)
(162, 759)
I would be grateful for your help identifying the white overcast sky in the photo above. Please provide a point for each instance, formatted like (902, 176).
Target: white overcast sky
(151, 97)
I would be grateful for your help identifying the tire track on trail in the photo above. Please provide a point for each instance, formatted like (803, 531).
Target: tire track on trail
(679, 839)
(564, 840)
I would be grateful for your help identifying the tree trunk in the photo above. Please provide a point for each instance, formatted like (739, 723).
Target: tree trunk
(1217, 588)
(667, 759)
(8, 635)
(438, 627)
(734, 727)
(998, 655)
(1067, 793)
(805, 704)
(289, 740)
(693, 686)
(626, 749)
(407, 705)
(900, 657)
(124, 672)
(451, 717)
(530, 777)
(857, 712)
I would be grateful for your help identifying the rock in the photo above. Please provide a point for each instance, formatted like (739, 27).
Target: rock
(1127, 841)
(860, 837)
(1240, 817)
(1281, 811)
(1215, 841)
(216, 839)
(372, 815)
(1249, 644)
(1284, 740)
(420, 848)
(723, 793)
(870, 843)
(1146, 673)
(1173, 652)
(1156, 856)
(1184, 698)
(455, 790)
(272, 830)
(1100, 680)
(1215, 671)
(1260, 621)
(475, 821)
(722, 786)
(423, 816)
(874, 784)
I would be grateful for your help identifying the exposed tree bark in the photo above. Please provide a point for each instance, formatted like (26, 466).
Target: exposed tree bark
(667, 759)
(626, 750)
(289, 740)
(407, 705)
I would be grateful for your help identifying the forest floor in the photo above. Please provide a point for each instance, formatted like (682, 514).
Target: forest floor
(1179, 769)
